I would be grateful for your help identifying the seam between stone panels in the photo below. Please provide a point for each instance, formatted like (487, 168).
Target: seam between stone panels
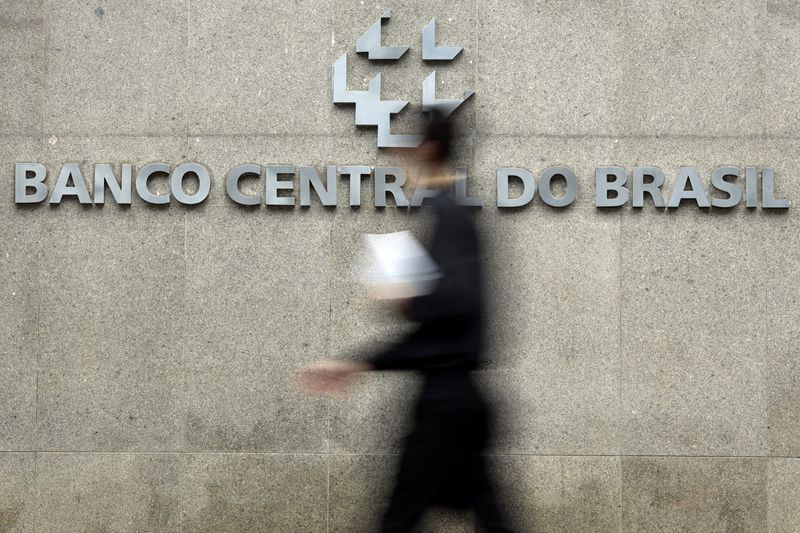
(328, 493)
(187, 67)
(331, 58)
(37, 292)
(184, 355)
(45, 61)
(170, 135)
(476, 72)
(329, 340)
(476, 136)
(397, 454)
(643, 136)
(620, 368)
(328, 347)
(173, 452)
(621, 352)
(770, 467)
(766, 372)
(576, 136)
(20, 452)
(762, 71)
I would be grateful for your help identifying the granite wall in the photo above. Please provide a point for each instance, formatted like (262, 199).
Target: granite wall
(644, 362)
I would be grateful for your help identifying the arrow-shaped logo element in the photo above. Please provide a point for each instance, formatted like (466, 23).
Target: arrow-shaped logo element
(431, 52)
(370, 42)
(444, 106)
(370, 109)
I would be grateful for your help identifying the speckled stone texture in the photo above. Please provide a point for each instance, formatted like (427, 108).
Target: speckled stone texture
(17, 491)
(643, 364)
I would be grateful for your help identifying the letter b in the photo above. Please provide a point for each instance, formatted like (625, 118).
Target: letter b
(603, 186)
(22, 182)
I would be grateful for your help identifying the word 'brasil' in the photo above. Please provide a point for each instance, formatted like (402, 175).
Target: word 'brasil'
(286, 184)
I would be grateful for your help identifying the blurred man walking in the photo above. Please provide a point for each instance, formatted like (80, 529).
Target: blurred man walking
(443, 462)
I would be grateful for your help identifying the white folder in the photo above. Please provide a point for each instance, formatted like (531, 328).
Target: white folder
(396, 265)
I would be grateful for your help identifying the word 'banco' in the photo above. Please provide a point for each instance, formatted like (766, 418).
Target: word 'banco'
(284, 185)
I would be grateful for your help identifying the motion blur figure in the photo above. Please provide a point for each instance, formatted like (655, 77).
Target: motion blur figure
(443, 462)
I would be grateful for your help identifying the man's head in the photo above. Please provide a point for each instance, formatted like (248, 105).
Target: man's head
(436, 147)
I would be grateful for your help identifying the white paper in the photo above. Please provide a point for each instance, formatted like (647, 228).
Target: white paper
(396, 265)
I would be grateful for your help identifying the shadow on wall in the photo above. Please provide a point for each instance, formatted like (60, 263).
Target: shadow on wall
(9, 518)
(225, 510)
(562, 510)
(251, 492)
(233, 504)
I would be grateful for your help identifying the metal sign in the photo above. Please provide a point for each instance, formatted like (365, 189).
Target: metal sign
(371, 110)
(290, 185)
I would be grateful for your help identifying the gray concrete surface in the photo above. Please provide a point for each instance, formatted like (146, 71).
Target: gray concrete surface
(645, 363)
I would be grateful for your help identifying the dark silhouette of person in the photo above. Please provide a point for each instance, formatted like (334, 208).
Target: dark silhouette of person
(443, 462)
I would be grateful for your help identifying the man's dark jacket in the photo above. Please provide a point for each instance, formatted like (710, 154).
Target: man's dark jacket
(442, 462)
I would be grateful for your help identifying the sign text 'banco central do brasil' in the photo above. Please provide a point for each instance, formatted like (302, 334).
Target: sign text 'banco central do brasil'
(287, 185)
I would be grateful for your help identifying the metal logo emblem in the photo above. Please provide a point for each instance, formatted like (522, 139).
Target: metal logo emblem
(370, 109)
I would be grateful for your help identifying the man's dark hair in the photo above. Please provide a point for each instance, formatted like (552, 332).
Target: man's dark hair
(440, 134)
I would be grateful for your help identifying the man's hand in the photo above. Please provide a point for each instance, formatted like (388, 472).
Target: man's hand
(331, 378)
(391, 294)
